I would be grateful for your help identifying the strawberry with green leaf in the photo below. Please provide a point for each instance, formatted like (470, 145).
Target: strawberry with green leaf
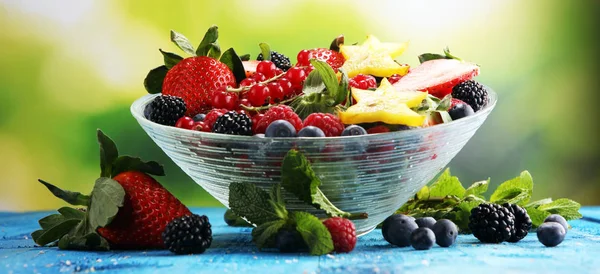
(127, 208)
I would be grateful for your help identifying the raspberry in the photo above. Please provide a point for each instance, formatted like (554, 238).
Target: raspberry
(188, 235)
(342, 232)
(213, 115)
(281, 112)
(328, 123)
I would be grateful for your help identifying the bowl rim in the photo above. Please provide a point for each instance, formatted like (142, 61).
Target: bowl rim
(140, 104)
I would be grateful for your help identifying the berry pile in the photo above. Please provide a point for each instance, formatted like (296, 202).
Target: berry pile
(403, 231)
(382, 95)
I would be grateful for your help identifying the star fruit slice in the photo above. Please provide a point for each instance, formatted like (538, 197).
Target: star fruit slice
(373, 57)
(384, 105)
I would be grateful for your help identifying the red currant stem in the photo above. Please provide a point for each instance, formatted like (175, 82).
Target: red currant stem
(240, 89)
(269, 106)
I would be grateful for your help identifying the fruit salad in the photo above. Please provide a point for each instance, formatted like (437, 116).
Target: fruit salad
(343, 90)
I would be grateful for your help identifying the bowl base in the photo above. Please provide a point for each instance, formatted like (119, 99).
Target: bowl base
(365, 231)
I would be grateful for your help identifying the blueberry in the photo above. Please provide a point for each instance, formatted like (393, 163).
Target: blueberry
(422, 238)
(551, 234)
(397, 229)
(354, 130)
(311, 131)
(558, 219)
(280, 128)
(148, 111)
(199, 117)
(427, 222)
(445, 232)
(289, 241)
(460, 110)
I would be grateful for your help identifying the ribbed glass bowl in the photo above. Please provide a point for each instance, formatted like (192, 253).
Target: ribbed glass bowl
(374, 173)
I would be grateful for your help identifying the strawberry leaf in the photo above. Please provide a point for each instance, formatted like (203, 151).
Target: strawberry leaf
(154, 80)
(245, 57)
(209, 42)
(265, 49)
(434, 56)
(171, 59)
(108, 154)
(233, 61)
(74, 198)
(51, 221)
(54, 233)
(71, 213)
(182, 42)
(107, 197)
(83, 237)
(128, 163)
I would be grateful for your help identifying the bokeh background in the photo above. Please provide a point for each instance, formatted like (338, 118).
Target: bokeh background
(70, 67)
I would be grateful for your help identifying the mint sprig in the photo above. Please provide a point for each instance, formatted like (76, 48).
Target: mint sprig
(447, 198)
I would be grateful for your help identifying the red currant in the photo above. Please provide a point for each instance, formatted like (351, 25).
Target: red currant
(247, 82)
(267, 68)
(276, 92)
(296, 75)
(362, 81)
(245, 102)
(255, 119)
(278, 71)
(303, 58)
(259, 77)
(200, 126)
(258, 95)
(226, 100)
(394, 78)
(286, 85)
(185, 122)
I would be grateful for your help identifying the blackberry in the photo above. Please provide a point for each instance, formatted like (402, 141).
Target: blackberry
(281, 61)
(188, 235)
(522, 222)
(492, 223)
(165, 110)
(472, 93)
(233, 123)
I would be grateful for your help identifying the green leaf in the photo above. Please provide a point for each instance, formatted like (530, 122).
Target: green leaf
(343, 91)
(478, 188)
(215, 51)
(234, 220)
(54, 233)
(444, 104)
(277, 202)
(524, 181)
(128, 163)
(537, 216)
(539, 202)
(108, 154)
(423, 194)
(265, 49)
(298, 177)
(74, 198)
(446, 185)
(430, 56)
(182, 42)
(313, 83)
(461, 217)
(245, 57)
(51, 221)
(517, 196)
(313, 232)
(327, 76)
(569, 209)
(71, 213)
(154, 80)
(83, 237)
(107, 197)
(252, 203)
(170, 59)
(36, 234)
(233, 61)
(264, 235)
(208, 41)
(449, 55)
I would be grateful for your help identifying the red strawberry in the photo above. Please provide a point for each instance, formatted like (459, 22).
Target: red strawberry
(334, 58)
(147, 210)
(437, 76)
(193, 79)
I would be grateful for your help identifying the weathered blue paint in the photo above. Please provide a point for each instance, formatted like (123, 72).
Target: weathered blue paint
(233, 252)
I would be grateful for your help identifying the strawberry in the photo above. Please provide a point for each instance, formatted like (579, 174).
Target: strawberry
(127, 209)
(437, 76)
(194, 79)
(334, 58)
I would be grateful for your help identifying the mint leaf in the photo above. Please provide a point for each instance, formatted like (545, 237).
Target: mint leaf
(107, 197)
(569, 209)
(447, 185)
(233, 61)
(524, 181)
(55, 232)
(464, 212)
(264, 235)
(71, 213)
(313, 232)
(234, 220)
(423, 194)
(265, 49)
(277, 202)
(537, 216)
(154, 80)
(516, 195)
(182, 42)
(128, 163)
(74, 198)
(298, 177)
(209, 41)
(108, 153)
(539, 202)
(170, 59)
(252, 203)
(478, 188)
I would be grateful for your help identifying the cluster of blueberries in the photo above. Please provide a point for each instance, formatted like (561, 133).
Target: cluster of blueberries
(401, 230)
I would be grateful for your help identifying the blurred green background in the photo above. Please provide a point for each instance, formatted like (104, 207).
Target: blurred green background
(69, 67)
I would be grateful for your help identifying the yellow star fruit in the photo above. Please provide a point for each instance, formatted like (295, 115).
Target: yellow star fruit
(373, 57)
(384, 105)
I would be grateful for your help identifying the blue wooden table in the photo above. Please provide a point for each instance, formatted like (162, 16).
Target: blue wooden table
(232, 251)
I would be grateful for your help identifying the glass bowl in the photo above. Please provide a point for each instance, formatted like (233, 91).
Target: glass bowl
(374, 173)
